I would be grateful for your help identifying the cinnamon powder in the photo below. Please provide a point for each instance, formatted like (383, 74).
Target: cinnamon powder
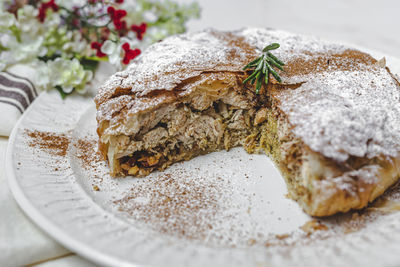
(186, 209)
(53, 143)
(86, 152)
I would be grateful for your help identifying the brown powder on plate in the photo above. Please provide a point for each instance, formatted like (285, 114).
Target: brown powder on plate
(180, 208)
(86, 152)
(54, 143)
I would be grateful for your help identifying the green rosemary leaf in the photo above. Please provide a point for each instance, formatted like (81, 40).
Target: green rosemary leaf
(250, 77)
(253, 80)
(251, 63)
(259, 66)
(262, 66)
(259, 82)
(274, 63)
(272, 46)
(276, 76)
(264, 69)
(275, 58)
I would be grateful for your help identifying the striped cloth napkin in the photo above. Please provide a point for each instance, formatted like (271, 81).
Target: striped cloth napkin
(16, 94)
(17, 91)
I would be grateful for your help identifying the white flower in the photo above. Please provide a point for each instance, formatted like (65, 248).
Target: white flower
(108, 47)
(149, 16)
(114, 53)
(27, 19)
(25, 51)
(69, 74)
(6, 21)
(70, 4)
(76, 43)
(24, 39)
(52, 20)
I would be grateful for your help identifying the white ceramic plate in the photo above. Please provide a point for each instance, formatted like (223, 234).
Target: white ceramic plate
(222, 209)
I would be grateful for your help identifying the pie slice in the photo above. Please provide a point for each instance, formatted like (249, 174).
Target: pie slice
(332, 126)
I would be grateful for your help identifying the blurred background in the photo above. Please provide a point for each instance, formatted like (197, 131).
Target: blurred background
(372, 24)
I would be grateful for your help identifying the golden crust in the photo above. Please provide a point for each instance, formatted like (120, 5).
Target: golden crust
(351, 188)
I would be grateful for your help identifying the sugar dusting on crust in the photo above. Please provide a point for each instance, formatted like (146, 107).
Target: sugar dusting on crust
(353, 113)
(292, 46)
(166, 64)
(346, 105)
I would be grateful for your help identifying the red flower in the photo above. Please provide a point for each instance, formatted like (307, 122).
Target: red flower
(139, 30)
(111, 11)
(116, 14)
(120, 25)
(51, 4)
(42, 14)
(129, 53)
(43, 8)
(126, 46)
(97, 46)
(119, 1)
(119, 14)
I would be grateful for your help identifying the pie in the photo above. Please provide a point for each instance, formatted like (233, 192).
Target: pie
(332, 126)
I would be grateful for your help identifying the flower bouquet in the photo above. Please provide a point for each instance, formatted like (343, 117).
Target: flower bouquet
(65, 40)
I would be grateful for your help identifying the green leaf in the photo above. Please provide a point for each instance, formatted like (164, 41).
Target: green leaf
(266, 77)
(259, 65)
(253, 80)
(258, 86)
(275, 58)
(272, 46)
(273, 72)
(250, 77)
(62, 93)
(251, 63)
(272, 62)
(264, 68)
(89, 64)
(47, 58)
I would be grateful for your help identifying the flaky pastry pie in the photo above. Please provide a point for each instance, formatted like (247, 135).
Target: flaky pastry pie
(332, 126)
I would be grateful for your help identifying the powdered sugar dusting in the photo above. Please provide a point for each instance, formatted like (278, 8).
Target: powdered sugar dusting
(353, 113)
(292, 45)
(165, 64)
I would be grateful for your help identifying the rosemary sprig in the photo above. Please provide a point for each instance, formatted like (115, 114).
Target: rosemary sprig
(263, 66)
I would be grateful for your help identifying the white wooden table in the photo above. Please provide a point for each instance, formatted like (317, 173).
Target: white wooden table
(372, 24)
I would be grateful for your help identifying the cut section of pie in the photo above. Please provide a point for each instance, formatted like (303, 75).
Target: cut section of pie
(332, 126)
